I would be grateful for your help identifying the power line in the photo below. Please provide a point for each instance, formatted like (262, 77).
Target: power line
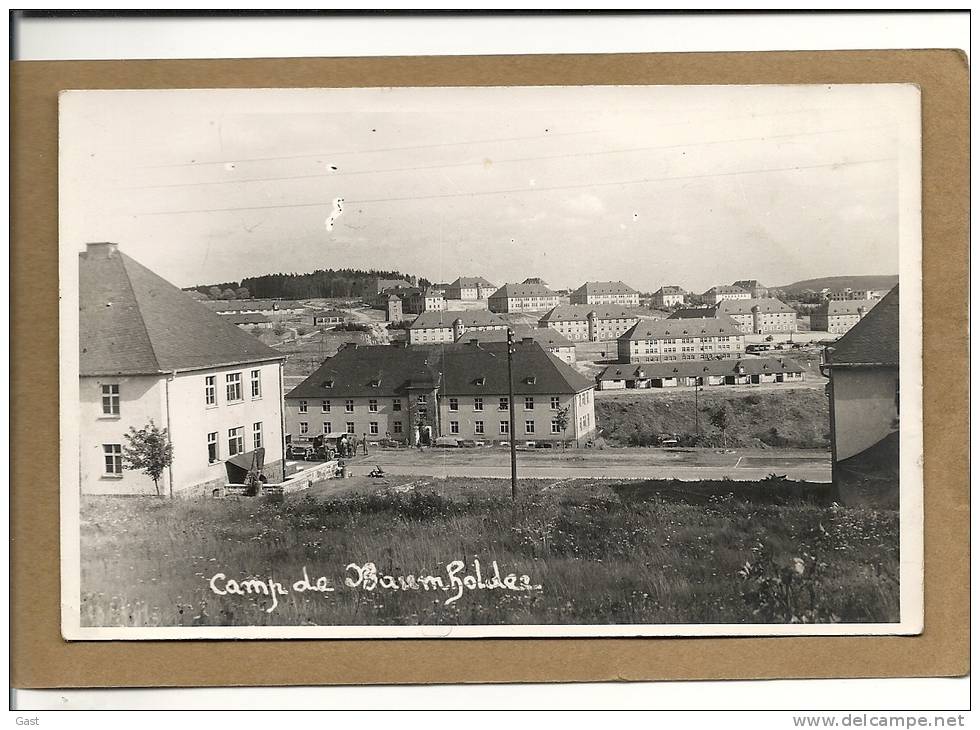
(535, 158)
(641, 181)
(195, 163)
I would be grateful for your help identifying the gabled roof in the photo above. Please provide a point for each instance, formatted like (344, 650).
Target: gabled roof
(749, 284)
(672, 329)
(604, 287)
(670, 290)
(444, 318)
(873, 340)
(470, 282)
(133, 322)
(725, 290)
(387, 371)
(695, 313)
(330, 313)
(545, 336)
(700, 368)
(745, 306)
(522, 290)
(845, 306)
(580, 312)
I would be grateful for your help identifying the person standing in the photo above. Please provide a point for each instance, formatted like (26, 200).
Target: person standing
(364, 443)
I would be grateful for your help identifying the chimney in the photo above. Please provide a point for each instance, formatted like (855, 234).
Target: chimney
(103, 249)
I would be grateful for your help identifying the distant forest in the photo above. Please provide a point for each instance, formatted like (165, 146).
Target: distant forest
(321, 284)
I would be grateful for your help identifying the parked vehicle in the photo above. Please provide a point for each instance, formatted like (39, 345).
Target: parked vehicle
(667, 440)
(447, 442)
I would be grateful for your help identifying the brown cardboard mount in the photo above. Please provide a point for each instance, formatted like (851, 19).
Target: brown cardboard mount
(41, 658)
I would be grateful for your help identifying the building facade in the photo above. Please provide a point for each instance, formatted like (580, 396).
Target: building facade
(720, 293)
(522, 297)
(837, 316)
(672, 340)
(753, 287)
(150, 353)
(848, 293)
(268, 307)
(588, 323)
(470, 287)
(417, 394)
(669, 296)
(864, 387)
(329, 318)
(760, 316)
(393, 309)
(451, 325)
(606, 292)
(751, 371)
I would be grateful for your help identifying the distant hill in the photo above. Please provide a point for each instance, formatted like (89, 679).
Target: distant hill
(843, 282)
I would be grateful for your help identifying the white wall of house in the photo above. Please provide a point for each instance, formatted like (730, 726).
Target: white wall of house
(189, 422)
(864, 407)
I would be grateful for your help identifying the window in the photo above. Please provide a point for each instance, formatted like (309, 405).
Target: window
(349, 406)
(504, 427)
(233, 387)
(256, 383)
(210, 391)
(528, 426)
(503, 404)
(555, 426)
(303, 406)
(423, 398)
(396, 405)
(529, 403)
(324, 406)
(113, 459)
(257, 435)
(454, 404)
(397, 427)
(478, 427)
(326, 427)
(212, 447)
(110, 399)
(373, 405)
(454, 427)
(555, 403)
(373, 428)
(478, 404)
(236, 438)
(350, 427)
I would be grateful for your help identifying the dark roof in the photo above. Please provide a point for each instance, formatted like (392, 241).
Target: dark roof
(580, 312)
(672, 329)
(470, 282)
(745, 306)
(330, 313)
(725, 290)
(748, 284)
(523, 290)
(702, 368)
(670, 290)
(695, 313)
(442, 318)
(455, 369)
(874, 339)
(546, 336)
(604, 287)
(133, 322)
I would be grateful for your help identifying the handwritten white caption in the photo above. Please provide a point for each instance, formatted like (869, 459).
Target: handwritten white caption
(459, 578)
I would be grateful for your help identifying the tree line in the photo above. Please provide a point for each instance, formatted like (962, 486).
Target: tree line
(319, 284)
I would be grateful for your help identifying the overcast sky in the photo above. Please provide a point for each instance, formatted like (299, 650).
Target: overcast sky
(652, 185)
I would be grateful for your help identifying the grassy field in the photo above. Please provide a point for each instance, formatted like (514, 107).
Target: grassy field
(792, 418)
(602, 552)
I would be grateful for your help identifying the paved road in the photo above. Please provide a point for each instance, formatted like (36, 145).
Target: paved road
(687, 465)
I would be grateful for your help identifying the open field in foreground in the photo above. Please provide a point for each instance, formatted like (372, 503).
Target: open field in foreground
(603, 552)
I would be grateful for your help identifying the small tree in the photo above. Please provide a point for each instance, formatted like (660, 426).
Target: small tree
(149, 450)
(561, 418)
(228, 293)
(242, 293)
(721, 421)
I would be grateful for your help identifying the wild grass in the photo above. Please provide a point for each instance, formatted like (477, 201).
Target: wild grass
(603, 553)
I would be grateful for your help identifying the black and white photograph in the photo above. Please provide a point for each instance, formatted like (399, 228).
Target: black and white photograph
(491, 361)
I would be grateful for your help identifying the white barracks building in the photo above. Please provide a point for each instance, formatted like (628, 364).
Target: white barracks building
(148, 351)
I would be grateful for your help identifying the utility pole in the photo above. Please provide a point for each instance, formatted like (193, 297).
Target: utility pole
(697, 422)
(510, 406)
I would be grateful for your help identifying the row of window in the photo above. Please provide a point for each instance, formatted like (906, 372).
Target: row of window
(326, 406)
(479, 427)
(233, 387)
(112, 453)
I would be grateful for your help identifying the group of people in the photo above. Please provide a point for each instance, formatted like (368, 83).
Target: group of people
(347, 446)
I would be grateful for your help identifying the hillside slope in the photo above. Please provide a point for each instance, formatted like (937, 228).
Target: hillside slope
(797, 418)
(843, 282)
